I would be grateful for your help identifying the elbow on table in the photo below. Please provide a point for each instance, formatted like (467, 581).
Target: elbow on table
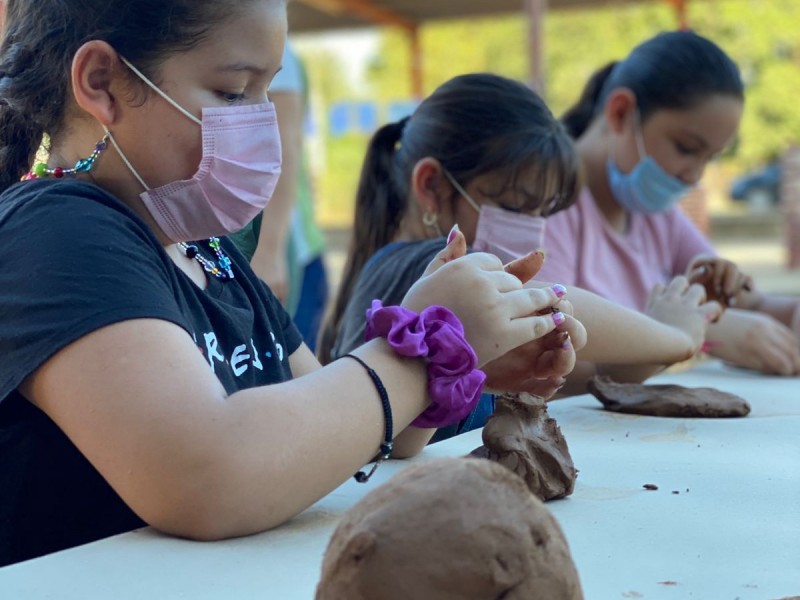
(207, 521)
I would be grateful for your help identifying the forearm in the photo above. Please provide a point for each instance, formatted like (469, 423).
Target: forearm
(620, 336)
(781, 308)
(251, 461)
(303, 438)
(411, 441)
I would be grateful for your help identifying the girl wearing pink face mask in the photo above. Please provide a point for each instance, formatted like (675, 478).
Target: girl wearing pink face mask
(484, 153)
(147, 375)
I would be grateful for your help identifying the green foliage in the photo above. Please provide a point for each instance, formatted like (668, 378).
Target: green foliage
(762, 36)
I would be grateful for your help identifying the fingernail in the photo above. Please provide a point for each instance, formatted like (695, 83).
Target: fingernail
(559, 290)
(452, 235)
(559, 318)
(566, 344)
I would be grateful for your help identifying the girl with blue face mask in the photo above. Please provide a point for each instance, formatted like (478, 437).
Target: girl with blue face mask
(646, 128)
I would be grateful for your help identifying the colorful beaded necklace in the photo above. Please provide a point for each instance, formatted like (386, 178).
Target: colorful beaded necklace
(221, 268)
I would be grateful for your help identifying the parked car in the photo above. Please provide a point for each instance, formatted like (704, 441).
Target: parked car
(760, 189)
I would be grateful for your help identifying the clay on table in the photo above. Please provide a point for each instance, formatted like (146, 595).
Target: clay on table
(449, 529)
(666, 400)
(521, 436)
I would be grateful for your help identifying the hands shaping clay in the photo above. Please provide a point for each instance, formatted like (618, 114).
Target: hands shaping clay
(666, 400)
(449, 529)
(522, 437)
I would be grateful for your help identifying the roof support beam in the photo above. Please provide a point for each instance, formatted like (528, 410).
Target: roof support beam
(366, 9)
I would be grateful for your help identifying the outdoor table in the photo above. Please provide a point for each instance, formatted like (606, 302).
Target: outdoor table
(724, 522)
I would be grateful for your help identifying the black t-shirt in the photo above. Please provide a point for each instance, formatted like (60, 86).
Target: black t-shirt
(74, 260)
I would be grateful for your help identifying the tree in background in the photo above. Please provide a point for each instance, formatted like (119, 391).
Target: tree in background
(761, 36)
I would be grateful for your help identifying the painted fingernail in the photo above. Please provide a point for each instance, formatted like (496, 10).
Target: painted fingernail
(566, 343)
(559, 290)
(453, 233)
(559, 318)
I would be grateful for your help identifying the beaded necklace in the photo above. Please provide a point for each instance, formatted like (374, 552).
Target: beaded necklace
(221, 268)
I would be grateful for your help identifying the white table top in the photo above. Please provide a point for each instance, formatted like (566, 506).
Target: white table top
(732, 532)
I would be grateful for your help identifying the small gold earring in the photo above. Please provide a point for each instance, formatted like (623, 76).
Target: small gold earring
(429, 218)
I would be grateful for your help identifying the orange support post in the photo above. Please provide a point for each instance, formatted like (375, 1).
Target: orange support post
(416, 63)
(536, 11)
(681, 12)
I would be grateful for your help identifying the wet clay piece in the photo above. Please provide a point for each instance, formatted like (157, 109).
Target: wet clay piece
(666, 400)
(521, 436)
(449, 529)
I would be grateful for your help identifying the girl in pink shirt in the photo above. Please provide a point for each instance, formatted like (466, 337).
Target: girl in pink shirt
(646, 128)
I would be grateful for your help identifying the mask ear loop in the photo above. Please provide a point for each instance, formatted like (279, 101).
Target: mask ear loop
(125, 158)
(159, 91)
(639, 135)
(461, 190)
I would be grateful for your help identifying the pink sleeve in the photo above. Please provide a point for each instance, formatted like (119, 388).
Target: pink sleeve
(561, 248)
(688, 242)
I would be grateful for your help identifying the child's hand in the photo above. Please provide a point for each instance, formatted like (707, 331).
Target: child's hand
(540, 366)
(683, 306)
(756, 341)
(721, 278)
(497, 313)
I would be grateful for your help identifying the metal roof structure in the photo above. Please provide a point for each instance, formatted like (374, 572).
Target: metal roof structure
(325, 15)
(307, 16)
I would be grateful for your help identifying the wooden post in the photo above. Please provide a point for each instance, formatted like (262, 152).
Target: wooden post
(790, 203)
(681, 12)
(536, 11)
(415, 46)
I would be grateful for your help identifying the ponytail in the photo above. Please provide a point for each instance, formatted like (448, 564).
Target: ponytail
(379, 208)
(578, 118)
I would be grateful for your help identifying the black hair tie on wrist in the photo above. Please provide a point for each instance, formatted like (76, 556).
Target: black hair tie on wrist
(388, 444)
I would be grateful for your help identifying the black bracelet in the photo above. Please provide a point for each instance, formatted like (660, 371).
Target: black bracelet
(388, 444)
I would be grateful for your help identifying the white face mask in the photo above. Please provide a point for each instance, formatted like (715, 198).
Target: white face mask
(506, 234)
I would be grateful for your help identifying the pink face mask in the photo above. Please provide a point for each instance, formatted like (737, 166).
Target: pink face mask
(506, 234)
(240, 166)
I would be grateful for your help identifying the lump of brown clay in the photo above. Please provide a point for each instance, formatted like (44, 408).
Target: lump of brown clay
(666, 400)
(521, 436)
(449, 529)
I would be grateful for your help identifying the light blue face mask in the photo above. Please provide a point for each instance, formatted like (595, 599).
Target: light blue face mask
(648, 188)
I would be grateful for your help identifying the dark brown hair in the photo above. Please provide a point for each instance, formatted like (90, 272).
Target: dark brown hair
(674, 70)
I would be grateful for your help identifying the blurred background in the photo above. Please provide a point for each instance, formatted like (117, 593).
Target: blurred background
(368, 62)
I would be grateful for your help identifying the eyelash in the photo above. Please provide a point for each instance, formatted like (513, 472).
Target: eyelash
(685, 149)
(230, 97)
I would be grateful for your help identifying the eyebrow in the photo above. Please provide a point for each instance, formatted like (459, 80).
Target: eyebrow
(241, 66)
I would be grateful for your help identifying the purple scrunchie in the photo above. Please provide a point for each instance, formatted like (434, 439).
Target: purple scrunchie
(454, 382)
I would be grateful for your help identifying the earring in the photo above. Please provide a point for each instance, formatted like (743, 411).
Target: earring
(431, 219)
(84, 165)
